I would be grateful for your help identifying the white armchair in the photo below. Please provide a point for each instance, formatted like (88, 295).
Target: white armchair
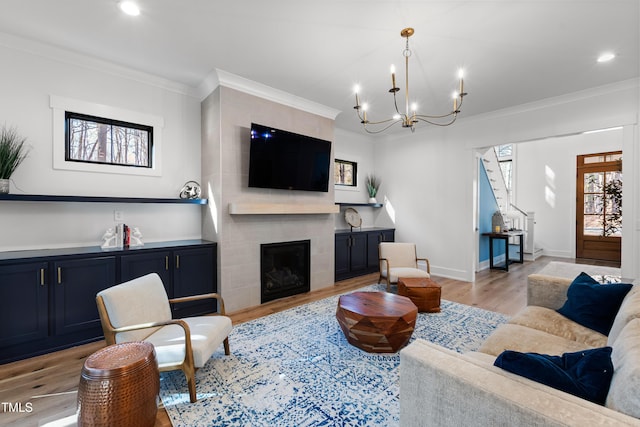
(139, 310)
(400, 260)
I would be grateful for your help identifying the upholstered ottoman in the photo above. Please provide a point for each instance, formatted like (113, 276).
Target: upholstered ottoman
(425, 293)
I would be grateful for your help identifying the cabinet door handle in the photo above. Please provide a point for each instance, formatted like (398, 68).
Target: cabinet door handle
(177, 261)
(42, 277)
(59, 275)
(166, 262)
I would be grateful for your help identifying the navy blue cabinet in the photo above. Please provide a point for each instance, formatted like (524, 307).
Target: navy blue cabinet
(194, 273)
(356, 252)
(76, 283)
(342, 255)
(24, 313)
(184, 272)
(350, 255)
(47, 297)
(373, 239)
(140, 263)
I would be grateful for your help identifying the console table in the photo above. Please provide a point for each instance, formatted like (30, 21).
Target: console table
(506, 235)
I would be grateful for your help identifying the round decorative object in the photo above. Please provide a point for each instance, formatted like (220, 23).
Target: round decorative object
(352, 217)
(190, 190)
(119, 386)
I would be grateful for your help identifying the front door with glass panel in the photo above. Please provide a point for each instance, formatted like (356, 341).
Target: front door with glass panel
(599, 206)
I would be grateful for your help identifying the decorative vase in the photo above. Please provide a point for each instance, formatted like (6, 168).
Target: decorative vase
(4, 186)
(372, 200)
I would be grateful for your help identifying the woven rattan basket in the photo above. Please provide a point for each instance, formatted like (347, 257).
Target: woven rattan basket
(119, 386)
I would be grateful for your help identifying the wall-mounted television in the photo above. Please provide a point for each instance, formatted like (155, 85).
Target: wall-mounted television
(286, 160)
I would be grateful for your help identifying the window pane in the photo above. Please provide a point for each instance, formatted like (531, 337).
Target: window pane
(612, 176)
(344, 173)
(594, 159)
(592, 204)
(505, 150)
(98, 140)
(613, 226)
(593, 182)
(593, 225)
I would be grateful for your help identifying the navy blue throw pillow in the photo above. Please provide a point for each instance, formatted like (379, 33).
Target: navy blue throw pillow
(586, 374)
(592, 304)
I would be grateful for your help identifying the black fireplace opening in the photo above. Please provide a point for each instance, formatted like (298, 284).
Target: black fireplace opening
(284, 269)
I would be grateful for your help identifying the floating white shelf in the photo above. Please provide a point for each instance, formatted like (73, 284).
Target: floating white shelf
(281, 208)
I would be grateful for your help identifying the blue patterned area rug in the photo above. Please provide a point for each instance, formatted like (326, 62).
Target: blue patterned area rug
(295, 368)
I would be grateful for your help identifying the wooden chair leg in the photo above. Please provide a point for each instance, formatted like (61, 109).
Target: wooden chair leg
(226, 346)
(191, 384)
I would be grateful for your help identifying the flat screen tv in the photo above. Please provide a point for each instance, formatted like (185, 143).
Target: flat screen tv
(286, 160)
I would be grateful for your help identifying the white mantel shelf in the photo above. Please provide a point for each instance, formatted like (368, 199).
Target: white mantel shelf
(281, 208)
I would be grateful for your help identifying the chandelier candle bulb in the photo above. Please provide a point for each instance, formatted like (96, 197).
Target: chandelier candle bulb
(393, 76)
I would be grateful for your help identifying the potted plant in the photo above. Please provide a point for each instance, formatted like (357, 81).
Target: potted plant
(373, 184)
(12, 153)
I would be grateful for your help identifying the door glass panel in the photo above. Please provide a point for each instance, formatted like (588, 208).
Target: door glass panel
(593, 159)
(593, 225)
(592, 204)
(593, 182)
(614, 226)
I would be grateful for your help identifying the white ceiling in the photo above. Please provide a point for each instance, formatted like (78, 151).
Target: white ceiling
(513, 51)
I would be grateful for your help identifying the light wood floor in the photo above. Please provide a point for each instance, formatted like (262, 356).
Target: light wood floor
(50, 382)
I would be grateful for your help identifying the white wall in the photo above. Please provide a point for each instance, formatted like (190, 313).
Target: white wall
(29, 75)
(545, 176)
(358, 148)
(430, 176)
(427, 186)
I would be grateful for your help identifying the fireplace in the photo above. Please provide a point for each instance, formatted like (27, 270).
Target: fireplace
(284, 269)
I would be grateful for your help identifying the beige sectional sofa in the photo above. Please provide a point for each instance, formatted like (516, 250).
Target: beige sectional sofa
(439, 387)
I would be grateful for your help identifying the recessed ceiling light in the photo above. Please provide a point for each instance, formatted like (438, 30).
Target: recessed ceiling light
(130, 8)
(606, 57)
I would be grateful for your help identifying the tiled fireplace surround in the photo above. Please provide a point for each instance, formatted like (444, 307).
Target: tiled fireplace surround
(227, 115)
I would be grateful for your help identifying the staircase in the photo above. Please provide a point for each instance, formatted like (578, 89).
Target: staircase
(500, 192)
(514, 217)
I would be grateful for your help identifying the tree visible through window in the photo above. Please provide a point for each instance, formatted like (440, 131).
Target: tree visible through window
(345, 173)
(98, 140)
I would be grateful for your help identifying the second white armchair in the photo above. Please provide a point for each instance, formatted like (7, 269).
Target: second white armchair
(400, 260)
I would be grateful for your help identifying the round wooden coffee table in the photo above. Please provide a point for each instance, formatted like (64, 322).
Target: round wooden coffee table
(376, 322)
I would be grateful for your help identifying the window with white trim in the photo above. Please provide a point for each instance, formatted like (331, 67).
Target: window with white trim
(117, 141)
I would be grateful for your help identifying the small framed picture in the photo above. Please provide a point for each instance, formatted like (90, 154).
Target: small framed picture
(346, 173)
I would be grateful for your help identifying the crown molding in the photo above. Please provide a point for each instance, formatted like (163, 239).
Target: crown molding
(58, 54)
(627, 86)
(222, 78)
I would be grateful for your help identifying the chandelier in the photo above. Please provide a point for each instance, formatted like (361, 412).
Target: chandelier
(409, 118)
